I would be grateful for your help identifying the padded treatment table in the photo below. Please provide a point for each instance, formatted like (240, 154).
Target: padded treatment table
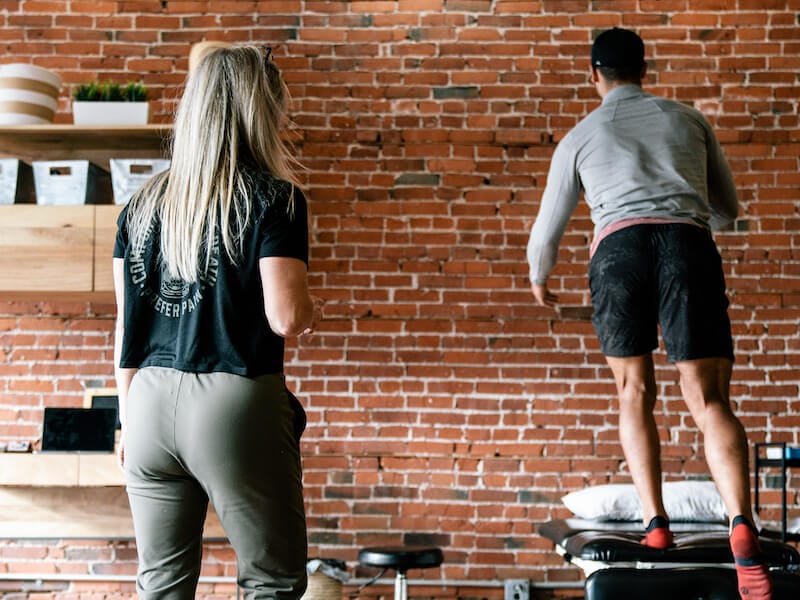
(617, 565)
(709, 583)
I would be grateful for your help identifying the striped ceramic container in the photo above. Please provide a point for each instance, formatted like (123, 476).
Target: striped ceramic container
(28, 94)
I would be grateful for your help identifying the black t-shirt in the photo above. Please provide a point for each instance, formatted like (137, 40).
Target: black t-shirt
(217, 323)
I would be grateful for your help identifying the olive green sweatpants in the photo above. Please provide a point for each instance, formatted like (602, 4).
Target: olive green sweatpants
(194, 437)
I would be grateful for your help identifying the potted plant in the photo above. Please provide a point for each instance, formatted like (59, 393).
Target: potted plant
(107, 103)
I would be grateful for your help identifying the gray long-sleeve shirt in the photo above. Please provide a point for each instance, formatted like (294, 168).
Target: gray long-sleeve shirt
(636, 156)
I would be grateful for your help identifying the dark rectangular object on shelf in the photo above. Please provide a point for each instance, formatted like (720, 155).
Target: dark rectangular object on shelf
(79, 429)
(108, 401)
(16, 182)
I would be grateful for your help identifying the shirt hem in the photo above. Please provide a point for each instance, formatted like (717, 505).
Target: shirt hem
(168, 364)
(624, 223)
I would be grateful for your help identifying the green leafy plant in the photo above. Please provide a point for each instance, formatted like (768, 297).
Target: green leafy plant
(109, 92)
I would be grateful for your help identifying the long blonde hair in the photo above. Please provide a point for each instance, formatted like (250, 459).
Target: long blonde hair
(232, 112)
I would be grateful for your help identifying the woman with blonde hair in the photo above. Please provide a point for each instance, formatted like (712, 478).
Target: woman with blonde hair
(210, 273)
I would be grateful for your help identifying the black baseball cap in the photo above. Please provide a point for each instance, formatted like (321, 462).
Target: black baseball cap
(618, 48)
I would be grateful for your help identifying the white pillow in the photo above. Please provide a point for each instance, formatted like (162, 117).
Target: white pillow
(793, 525)
(684, 501)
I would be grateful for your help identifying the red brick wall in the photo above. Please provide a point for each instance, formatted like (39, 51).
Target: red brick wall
(444, 407)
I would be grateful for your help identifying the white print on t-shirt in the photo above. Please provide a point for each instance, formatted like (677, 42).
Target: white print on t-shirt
(167, 295)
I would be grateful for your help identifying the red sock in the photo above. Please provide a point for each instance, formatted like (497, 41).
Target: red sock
(753, 575)
(657, 535)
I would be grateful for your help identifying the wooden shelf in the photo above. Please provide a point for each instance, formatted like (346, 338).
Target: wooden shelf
(74, 512)
(46, 248)
(69, 495)
(57, 248)
(94, 143)
(83, 130)
(112, 136)
(64, 512)
(68, 469)
(67, 248)
(105, 234)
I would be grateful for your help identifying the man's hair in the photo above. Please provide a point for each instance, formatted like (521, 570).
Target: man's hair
(618, 74)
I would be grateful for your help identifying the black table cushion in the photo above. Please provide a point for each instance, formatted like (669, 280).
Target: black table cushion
(708, 583)
(611, 542)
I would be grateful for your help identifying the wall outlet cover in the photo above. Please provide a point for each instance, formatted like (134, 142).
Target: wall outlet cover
(517, 589)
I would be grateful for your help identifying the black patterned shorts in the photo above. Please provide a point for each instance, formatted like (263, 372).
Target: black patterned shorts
(670, 275)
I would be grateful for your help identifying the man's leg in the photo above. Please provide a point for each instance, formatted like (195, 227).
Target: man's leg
(625, 318)
(705, 385)
(636, 389)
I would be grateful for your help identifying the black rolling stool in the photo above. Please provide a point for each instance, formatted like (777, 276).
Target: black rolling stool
(401, 559)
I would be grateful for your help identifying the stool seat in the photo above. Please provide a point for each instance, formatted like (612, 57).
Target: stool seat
(401, 558)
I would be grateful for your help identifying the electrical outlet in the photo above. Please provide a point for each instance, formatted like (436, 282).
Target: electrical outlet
(517, 589)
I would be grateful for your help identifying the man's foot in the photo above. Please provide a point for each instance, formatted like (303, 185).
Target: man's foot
(657, 535)
(752, 573)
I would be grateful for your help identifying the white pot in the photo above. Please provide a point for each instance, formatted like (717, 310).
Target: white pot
(110, 113)
(28, 94)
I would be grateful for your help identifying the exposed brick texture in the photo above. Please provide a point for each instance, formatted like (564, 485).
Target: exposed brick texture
(444, 407)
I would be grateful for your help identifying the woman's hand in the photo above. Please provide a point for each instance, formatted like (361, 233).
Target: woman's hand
(317, 316)
(121, 451)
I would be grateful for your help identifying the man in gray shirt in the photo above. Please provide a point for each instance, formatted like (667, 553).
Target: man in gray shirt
(656, 182)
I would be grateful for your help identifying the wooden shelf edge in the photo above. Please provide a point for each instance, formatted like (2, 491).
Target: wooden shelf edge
(60, 470)
(79, 130)
(100, 297)
(74, 513)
